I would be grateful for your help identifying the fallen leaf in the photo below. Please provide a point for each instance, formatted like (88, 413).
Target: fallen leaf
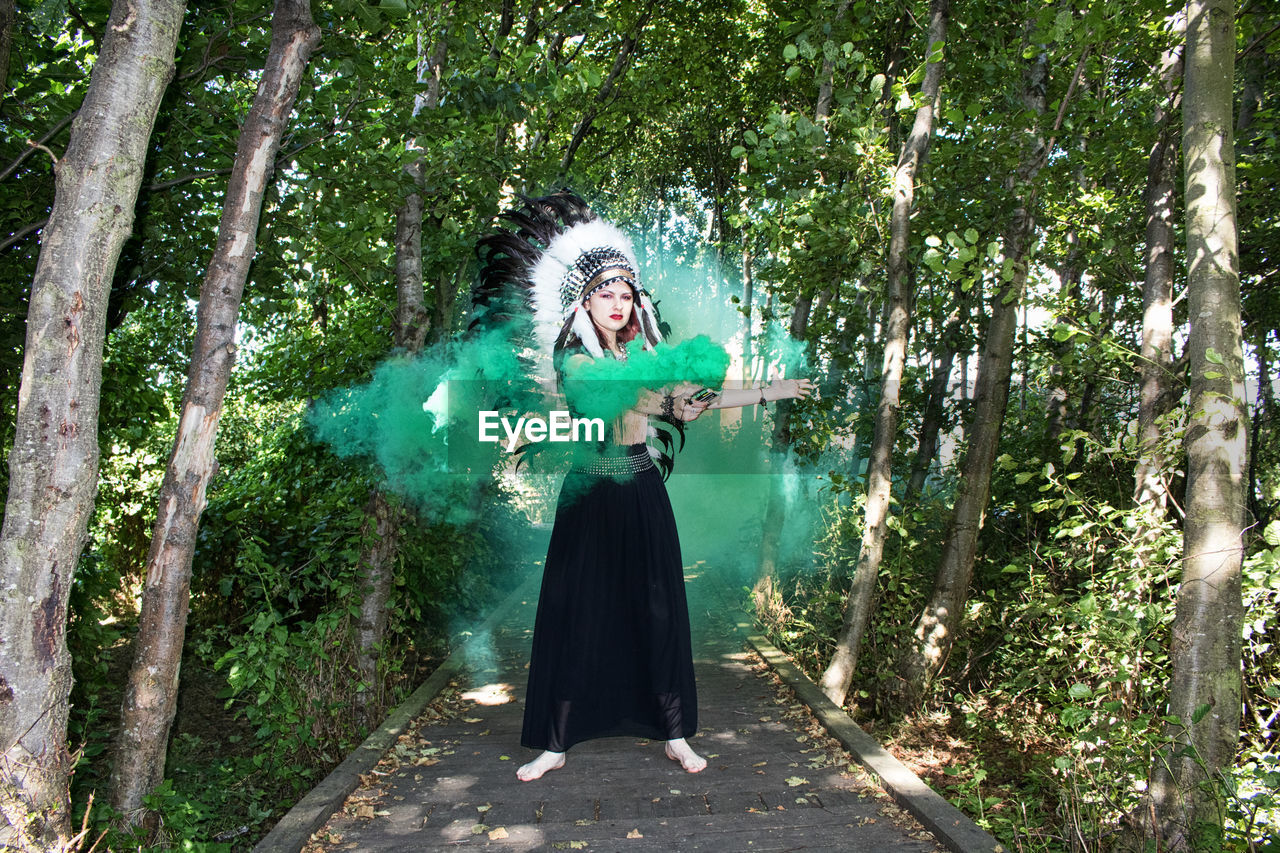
(479, 828)
(504, 757)
(793, 781)
(635, 833)
(760, 764)
(472, 720)
(364, 811)
(498, 834)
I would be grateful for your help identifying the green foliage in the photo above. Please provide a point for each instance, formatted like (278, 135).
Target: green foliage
(1064, 651)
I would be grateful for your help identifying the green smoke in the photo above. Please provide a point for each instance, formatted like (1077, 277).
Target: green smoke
(398, 421)
(605, 388)
(415, 412)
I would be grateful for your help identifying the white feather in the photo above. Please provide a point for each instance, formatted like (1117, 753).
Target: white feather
(586, 331)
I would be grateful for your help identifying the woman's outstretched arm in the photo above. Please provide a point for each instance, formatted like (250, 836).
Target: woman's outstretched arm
(778, 389)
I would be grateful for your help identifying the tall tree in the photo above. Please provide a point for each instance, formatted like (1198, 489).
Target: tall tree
(53, 467)
(412, 323)
(1150, 487)
(8, 11)
(771, 533)
(857, 610)
(1070, 274)
(152, 691)
(1204, 693)
(934, 410)
(936, 626)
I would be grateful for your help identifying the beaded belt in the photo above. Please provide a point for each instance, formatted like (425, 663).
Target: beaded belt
(617, 466)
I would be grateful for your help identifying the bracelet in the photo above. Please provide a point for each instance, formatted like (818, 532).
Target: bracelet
(669, 406)
(763, 401)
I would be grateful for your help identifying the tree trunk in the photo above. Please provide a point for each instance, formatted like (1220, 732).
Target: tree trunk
(771, 530)
(1084, 416)
(763, 593)
(381, 532)
(857, 611)
(1070, 275)
(383, 519)
(826, 80)
(8, 16)
(895, 60)
(1150, 488)
(151, 694)
(53, 466)
(1256, 65)
(1204, 693)
(1263, 409)
(931, 421)
(412, 321)
(937, 624)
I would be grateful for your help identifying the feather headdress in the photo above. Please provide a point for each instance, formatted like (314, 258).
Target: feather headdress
(554, 253)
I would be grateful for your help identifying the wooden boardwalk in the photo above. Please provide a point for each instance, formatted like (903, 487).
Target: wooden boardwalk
(775, 779)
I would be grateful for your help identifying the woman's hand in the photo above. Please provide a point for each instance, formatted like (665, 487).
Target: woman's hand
(790, 389)
(684, 406)
(689, 410)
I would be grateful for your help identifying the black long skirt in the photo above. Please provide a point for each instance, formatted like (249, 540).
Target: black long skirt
(611, 652)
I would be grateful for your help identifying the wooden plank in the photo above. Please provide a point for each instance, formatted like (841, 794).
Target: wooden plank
(951, 826)
(768, 785)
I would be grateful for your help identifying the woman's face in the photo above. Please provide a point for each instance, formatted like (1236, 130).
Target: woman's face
(610, 306)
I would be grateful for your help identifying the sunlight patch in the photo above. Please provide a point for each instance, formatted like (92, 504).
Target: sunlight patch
(490, 694)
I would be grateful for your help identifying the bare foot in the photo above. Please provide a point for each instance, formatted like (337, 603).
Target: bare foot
(679, 750)
(541, 765)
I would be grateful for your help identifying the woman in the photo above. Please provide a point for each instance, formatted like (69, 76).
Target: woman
(611, 651)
